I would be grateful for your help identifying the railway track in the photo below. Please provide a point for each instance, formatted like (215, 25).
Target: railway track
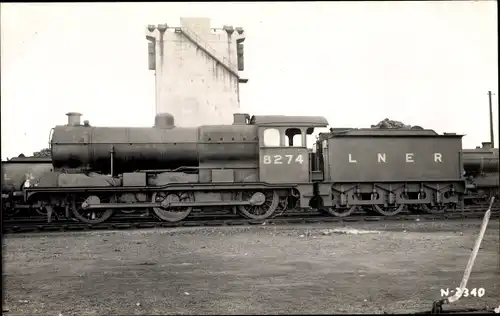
(33, 225)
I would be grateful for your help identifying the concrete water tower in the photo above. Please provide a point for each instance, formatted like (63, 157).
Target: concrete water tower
(197, 70)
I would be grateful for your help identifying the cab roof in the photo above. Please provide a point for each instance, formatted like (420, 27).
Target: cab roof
(284, 120)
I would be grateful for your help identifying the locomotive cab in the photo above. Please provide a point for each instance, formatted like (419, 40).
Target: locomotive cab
(284, 156)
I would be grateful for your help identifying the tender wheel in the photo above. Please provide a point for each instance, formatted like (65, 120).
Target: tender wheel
(389, 210)
(339, 211)
(172, 214)
(259, 212)
(91, 216)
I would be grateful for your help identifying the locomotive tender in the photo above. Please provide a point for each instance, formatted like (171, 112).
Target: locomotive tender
(388, 171)
(255, 166)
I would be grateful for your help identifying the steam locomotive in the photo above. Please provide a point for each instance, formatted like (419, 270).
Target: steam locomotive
(254, 167)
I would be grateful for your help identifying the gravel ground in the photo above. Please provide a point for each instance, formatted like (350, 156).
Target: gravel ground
(316, 268)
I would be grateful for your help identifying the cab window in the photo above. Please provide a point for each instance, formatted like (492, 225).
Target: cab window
(271, 137)
(293, 137)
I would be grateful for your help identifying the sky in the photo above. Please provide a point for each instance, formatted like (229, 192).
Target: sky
(356, 63)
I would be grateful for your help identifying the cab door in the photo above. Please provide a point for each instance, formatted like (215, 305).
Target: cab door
(279, 163)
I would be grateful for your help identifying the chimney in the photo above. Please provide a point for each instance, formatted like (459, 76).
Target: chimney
(74, 118)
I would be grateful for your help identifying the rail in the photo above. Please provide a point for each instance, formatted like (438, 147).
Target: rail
(200, 219)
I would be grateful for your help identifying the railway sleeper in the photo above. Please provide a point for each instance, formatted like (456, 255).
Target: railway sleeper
(16, 228)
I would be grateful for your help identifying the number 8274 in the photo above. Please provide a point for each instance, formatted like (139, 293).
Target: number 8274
(282, 159)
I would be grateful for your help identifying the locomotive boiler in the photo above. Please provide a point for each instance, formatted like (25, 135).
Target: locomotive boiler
(481, 167)
(115, 150)
(481, 160)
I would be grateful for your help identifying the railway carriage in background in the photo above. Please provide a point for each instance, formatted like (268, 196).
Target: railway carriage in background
(255, 167)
